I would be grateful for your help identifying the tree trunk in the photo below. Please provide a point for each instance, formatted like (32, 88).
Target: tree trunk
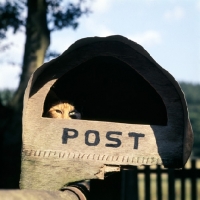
(37, 42)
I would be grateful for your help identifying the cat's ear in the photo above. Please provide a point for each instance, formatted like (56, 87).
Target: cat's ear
(52, 96)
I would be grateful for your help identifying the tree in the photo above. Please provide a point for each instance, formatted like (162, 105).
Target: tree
(44, 16)
(192, 94)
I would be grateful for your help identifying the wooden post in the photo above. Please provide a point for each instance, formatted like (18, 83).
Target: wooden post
(134, 113)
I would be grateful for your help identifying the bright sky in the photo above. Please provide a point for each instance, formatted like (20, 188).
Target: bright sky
(168, 29)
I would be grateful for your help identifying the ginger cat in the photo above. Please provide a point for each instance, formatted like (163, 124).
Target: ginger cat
(62, 110)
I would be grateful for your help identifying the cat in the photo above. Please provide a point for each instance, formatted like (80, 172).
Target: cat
(56, 108)
(63, 110)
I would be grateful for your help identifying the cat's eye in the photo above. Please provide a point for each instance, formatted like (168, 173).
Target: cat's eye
(59, 111)
(74, 114)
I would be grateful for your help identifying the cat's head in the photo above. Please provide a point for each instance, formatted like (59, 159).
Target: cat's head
(62, 109)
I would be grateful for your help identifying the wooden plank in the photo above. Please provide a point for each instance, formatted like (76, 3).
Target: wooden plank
(193, 180)
(112, 143)
(42, 195)
(171, 184)
(183, 177)
(147, 183)
(135, 185)
(53, 148)
(130, 186)
(158, 182)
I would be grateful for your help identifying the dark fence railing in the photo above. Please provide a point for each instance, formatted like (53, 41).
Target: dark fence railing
(169, 184)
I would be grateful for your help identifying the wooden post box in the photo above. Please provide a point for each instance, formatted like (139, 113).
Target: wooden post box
(133, 113)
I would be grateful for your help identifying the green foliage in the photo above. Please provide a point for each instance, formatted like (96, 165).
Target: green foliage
(192, 94)
(59, 16)
(5, 96)
(5, 110)
(67, 17)
(10, 16)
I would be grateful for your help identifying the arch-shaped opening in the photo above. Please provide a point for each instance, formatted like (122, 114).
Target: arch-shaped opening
(107, 89)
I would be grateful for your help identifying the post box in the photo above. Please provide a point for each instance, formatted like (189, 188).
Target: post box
(133, 112)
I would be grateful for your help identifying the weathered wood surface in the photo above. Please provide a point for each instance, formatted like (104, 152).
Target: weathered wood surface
(56, 152)
(37, 195)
